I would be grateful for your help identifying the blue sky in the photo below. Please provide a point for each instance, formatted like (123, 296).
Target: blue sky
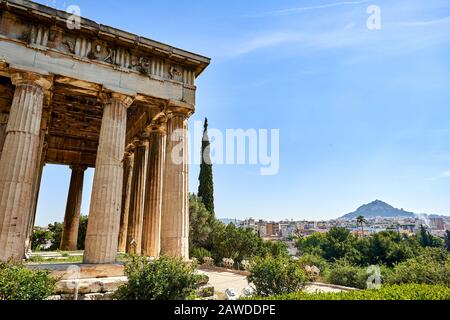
(363, 114)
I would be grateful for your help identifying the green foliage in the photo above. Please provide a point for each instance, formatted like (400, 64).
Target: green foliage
(82, 229)
(273, 276)
(56, 229)
(384, 248)
(391, 292)
(447, 240)
(206, 186)
(40, 238)
(200, 254)
(163, 279)
(431, 267)
(235, 243)
(314, 260)
(344, 274)
(389, 248)
(201, 223)
(426, 239)
(17, 282)
(275, 249)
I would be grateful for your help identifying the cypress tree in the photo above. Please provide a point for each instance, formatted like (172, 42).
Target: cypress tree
(206, 186)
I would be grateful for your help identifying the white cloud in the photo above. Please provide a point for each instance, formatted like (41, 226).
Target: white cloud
(445, 174)
(309, 8)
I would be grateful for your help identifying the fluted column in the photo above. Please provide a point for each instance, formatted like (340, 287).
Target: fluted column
(136, 215)
(69, 236)
(126, 193)
(3, 124)
(151, 234)
(18, 163)
(104, 217)
(36, 188)
(175, 213)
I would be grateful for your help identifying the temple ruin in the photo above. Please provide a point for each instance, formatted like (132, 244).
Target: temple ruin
(94, 97)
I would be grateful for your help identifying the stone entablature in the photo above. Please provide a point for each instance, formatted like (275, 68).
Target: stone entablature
(46, 29)
(36, 38)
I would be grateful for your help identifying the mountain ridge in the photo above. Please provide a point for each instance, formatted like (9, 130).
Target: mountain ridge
(381, 209)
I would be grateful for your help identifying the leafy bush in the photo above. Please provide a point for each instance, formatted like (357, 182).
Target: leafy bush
(235, 243)
(392, 292)
(272, 276)
(163, 279)
(345, 274)
(429, 268)
(17, 282)
(200, 254)
(314, 260)
(275, 248)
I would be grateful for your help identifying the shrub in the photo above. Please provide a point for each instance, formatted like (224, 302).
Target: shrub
(345, 274)
(424, 269)
(200, 254)
(163, 279)
(17, 282)
(392, 292)
(314, 260)
(272, 276)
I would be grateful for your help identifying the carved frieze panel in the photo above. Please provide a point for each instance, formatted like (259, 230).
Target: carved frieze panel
(92, 47)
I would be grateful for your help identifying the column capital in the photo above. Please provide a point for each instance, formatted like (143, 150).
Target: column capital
(30, 78)
(123, 99)
(180, 107)
(78, 168)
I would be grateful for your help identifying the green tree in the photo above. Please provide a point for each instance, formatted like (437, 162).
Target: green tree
(56, 230)
(82, 229)
(206, 186)
(40, 237)
(275, 249)
(276, 275)
(200, 223)
(235, 243)
(361, 220)
(447, 240)
(426, 239)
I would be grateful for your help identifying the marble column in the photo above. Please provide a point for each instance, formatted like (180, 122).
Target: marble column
(136, 214)
(18, 163)
(106, 199)
(126, 193)
(175, 212)
(36, 188)
(69, 238)
(151, 234)
(3, 124)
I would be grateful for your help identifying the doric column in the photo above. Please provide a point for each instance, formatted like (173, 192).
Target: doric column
(104, 217)
(136, 215)
(36, 188)
(126, 193)
(175, 212)
(3, 124)
(151, 234)
(69, 236)
(18, 163)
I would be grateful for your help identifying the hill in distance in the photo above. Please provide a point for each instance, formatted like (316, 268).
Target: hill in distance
(378, 209)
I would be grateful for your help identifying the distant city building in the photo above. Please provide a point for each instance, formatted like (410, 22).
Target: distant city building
(273, 229)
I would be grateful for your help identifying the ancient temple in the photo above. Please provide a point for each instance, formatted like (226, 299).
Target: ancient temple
(94, 97)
